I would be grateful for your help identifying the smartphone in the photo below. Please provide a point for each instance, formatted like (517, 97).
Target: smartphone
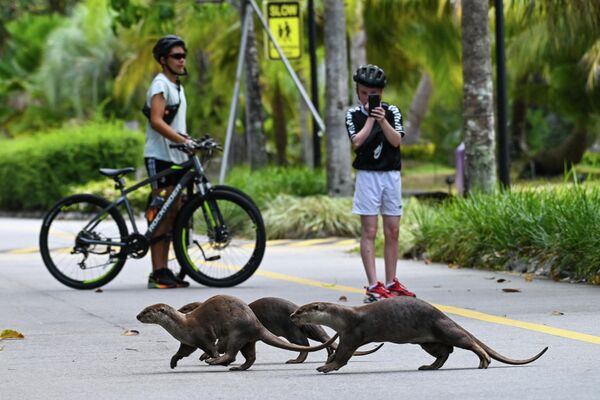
(374, 101)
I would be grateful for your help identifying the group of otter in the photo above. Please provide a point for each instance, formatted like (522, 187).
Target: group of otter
(224, 325)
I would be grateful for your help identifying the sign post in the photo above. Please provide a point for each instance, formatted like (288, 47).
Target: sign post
(284, 21)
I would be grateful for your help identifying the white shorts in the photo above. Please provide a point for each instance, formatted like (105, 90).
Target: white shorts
(377, 192)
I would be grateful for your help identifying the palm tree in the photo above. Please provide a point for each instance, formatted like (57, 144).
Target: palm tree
(553, 52)
(339, 178)
(478, 114)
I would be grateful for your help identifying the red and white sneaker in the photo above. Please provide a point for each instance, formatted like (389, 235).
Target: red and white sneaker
(379, 292)
(398, 289)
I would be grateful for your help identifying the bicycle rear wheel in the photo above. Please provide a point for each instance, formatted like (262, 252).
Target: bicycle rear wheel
(214, 253)
(68, 257)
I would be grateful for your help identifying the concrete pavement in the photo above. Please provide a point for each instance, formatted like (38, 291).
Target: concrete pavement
(74, 345)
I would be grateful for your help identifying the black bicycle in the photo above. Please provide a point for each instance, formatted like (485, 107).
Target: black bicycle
(218, 236)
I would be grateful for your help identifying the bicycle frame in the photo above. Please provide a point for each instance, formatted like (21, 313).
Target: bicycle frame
(195, 171)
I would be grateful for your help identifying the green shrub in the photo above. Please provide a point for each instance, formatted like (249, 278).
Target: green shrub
(550, 231)
(267, 183)
(419, 151)
(37, 171)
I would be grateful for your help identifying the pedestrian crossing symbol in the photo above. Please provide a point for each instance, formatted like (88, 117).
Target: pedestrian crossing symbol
(284, 19)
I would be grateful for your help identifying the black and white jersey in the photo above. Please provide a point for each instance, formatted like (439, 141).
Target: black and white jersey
(376, 153)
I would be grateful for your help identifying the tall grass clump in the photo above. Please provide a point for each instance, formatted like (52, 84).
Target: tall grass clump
(267, 183)
(38, 170)
(550, 231)
(293, 217)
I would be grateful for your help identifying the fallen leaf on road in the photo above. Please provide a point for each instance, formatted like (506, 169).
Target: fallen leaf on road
(501, 280)
(509, 290)
(10, 334)
(557, 313)
(528, 277)
(343, 298)
(427, 261)
(99, 290)
(453, 266)
(131, 332)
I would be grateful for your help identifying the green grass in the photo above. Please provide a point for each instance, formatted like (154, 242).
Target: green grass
(552, 230)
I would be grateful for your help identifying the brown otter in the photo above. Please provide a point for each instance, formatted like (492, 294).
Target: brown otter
(274, 313)
(397, 320)
(223, 318)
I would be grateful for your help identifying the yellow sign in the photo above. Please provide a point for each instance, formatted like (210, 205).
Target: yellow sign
(285, 23)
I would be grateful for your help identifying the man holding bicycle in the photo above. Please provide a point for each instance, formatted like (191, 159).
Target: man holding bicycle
(166, 111)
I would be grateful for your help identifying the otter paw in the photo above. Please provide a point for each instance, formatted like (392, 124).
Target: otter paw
(174, 360)
(204, 356)
(327, 368)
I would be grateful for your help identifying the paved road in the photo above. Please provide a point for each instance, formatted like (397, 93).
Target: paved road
(74, 347)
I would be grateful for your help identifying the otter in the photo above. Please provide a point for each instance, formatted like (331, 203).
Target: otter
(274, 313)
(224, 318)
(397, 320)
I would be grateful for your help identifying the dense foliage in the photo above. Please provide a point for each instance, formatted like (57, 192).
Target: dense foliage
(37, 171)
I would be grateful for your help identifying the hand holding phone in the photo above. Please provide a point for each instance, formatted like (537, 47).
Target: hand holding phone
(374, 102)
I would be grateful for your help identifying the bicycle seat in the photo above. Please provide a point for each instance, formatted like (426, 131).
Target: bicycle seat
(116, 173)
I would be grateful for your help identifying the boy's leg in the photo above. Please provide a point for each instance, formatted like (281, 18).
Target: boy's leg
(367, 246)
(391, 229)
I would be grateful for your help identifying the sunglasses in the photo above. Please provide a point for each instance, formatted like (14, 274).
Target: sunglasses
(178, 56)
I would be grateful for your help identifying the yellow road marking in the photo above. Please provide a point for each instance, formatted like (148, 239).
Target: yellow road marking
(582, 337)
(24, 250)
(311, 242)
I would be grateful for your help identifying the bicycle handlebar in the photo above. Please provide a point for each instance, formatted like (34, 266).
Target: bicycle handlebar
(205, 144)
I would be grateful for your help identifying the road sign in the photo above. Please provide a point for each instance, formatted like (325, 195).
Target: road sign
(285, 22)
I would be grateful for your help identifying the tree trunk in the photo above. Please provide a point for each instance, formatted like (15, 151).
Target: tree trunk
(418, 108)
(279, 124)
(478, 114)
(339, 177)
(358, 42)
(255, 137)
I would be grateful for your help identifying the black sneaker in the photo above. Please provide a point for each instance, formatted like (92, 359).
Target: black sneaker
(164, 278)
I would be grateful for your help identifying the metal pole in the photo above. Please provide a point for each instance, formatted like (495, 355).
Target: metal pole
(309, 103)
(247, 13)
(312, 49)
(503, 149)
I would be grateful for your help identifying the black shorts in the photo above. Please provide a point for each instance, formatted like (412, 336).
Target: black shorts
(155, 166)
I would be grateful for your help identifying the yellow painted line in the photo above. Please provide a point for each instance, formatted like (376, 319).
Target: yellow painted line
(24, 250)
(347, 242)
(278, 242)
(310, 242)
(582, 337)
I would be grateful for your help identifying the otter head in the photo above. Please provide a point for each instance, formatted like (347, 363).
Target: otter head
(154, 314)
(313, 313)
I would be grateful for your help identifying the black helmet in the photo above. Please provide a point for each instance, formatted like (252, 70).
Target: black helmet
(164, 44)
(370, 75)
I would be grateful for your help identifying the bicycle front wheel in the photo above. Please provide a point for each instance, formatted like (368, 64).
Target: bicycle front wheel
(219, 238)
(64, 241)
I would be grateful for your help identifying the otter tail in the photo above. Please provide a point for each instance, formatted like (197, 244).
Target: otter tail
(315, 332)
(499, 357)
(272, 340)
